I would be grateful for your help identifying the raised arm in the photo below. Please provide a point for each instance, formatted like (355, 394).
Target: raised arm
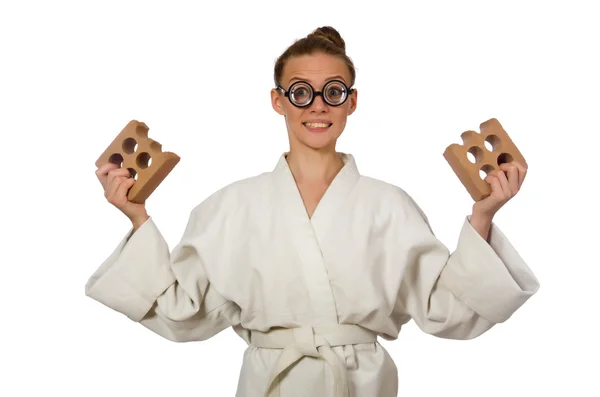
(169, 293)
(461, 295)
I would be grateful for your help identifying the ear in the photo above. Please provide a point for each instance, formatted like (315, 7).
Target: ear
(353, 102)
(276, 101)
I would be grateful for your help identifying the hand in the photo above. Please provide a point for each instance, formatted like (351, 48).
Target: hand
(116, 183)
(505, 184)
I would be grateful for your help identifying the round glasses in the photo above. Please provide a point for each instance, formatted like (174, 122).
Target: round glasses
(301, 94)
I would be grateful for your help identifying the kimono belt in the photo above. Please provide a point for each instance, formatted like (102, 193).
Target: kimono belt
(314, 342)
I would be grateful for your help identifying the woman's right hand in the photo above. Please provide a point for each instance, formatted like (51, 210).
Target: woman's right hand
(116, 182)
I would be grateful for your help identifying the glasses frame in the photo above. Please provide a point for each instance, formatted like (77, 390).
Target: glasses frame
(315, 94)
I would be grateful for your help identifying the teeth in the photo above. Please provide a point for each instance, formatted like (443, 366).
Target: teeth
(317, 125)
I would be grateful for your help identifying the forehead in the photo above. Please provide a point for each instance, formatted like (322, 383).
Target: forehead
(316, 69)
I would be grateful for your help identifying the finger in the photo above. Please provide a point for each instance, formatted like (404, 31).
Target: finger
(123, 188)
(104, 168)
(498, 186)
(512, 175)
(495, 186)
(522, 171)
(505, 186)
(117, 173)
(113, 188)
(102, 171)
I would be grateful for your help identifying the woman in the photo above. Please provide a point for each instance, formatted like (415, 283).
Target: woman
(311, 262)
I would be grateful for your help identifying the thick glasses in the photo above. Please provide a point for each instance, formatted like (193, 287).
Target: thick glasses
(301, 94)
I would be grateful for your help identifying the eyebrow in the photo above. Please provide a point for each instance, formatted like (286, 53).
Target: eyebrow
(336, 77)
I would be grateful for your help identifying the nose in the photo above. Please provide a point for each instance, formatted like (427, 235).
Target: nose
(318, 105)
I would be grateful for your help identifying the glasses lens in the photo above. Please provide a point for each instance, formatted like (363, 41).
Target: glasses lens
(301, 94)
(335, 92)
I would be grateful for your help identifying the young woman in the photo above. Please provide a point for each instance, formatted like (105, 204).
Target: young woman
(312, 262)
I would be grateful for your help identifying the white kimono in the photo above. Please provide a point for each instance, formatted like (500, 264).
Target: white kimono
(324, 287)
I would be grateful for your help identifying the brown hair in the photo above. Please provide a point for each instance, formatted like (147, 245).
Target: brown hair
(324, 39)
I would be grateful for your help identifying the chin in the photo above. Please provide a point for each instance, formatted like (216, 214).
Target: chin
(317, 141)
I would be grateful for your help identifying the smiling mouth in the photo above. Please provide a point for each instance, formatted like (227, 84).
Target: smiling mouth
(317, 125)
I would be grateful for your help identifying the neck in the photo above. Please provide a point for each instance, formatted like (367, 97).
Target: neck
(314, 166)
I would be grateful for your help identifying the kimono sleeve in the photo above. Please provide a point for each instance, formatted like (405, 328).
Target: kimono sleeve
(168, 293)
(461, 295)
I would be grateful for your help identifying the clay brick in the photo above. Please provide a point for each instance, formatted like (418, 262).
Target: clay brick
(503, 151)
(148, 177)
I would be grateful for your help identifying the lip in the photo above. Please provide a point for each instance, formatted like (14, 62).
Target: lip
(317, 121)
(317, 130)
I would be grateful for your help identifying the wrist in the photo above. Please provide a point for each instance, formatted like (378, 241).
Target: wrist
(478, 214)
(481, 223)
(139, 221)
(480, 217)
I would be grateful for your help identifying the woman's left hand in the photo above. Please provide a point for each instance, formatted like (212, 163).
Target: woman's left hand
(505, 184)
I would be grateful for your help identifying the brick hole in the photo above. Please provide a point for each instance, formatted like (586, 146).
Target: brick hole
(474, 154)
(485, 170)
(117, 159)
(144, 160)
(133, 173)
(492, 142)
(504, 158)
(129, 145)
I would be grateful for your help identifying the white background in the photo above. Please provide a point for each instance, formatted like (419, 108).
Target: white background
(72, 74)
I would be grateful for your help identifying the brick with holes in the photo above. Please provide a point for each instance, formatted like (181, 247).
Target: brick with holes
(143, 156)
(503, 150)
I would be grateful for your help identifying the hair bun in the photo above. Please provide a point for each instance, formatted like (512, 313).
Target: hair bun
(330, 34)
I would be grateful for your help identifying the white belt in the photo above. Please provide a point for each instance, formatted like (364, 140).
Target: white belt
(314, 342)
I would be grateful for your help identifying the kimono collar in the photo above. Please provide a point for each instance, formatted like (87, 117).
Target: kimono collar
(349, 170)
(333, 201)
